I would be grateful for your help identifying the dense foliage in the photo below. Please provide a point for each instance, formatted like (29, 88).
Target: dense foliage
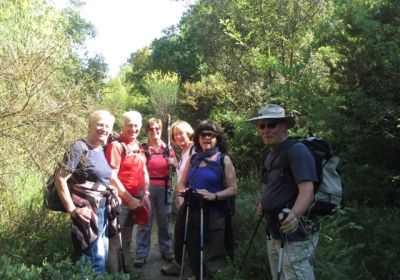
(333, 64)
(45, 98)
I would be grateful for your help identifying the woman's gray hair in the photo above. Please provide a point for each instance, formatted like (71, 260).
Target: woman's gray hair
(134, 116)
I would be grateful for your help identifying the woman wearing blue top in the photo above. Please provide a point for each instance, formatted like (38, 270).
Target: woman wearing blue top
(211, 182)
(83, 184)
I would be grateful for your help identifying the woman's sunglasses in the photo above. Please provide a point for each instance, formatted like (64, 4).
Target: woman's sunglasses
(207, 133)
(154, 129)
(271, 125)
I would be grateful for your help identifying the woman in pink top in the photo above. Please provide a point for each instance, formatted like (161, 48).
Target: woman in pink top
(161, 192)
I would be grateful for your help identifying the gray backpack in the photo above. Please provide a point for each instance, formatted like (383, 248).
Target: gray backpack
(329, 188)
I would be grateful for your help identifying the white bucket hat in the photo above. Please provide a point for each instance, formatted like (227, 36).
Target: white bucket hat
(273, 112)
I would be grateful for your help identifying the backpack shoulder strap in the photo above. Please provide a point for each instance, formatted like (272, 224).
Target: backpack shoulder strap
(222, 163)
(230, 202)
(282, 156)
(85, 149)
(191, 150)
(167, 151)
(146, 151)
(122, 145)
(191, 158)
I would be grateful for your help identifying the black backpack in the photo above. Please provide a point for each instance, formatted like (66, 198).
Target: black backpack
(51, 199)
(329, 188)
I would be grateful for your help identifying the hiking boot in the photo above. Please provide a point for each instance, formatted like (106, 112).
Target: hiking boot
(139, 261)
(168, 256)
(172, 268)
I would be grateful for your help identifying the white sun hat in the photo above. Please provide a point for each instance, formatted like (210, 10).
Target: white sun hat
(273, 112)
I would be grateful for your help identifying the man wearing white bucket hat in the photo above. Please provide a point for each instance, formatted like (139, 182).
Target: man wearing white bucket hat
(288, 193)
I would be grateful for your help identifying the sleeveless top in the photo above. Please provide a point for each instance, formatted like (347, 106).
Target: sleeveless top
(209, 177)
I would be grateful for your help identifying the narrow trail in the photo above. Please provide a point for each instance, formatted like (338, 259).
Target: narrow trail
(154, 262)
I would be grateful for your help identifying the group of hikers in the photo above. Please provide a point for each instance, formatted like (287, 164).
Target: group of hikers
(108, 186)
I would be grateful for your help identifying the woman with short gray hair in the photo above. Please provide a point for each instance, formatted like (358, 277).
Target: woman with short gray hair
(83, 184)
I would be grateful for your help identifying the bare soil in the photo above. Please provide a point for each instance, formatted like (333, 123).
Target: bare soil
(154, 262)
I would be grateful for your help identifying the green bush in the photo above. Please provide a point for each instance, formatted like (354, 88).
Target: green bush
(362, 181)
(8, 270)
(355, 242)
(381, 239)
(255, 264)
(336, 253)
(237, 132)
(28, 232)
(63, 270)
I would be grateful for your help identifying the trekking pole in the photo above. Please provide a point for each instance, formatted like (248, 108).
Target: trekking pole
(121, 247)
(169, 180)
(285, 213)
(251, 241)
(280, 259)
(201, 238)
(187, 205)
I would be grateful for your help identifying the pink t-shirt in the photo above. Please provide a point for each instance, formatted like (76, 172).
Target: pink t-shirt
(157, 166)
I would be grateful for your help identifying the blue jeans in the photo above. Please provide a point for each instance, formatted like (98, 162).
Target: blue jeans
(97, 252)
(163, 213)
(296, 263)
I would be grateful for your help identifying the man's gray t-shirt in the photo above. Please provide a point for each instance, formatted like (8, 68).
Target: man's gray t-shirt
(286, 167)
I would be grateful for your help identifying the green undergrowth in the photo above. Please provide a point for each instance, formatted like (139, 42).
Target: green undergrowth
(62, 270)
(355, 243)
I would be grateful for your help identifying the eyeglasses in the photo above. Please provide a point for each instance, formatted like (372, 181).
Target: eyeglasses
(271, 125)
(207, 133)
(154, 129)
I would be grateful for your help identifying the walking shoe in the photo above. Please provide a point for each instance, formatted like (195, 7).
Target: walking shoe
(172, 268)
(168, 256)
(139, 261)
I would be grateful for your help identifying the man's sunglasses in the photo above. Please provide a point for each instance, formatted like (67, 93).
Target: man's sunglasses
(209, 134)
(154, 129)
(271, 125)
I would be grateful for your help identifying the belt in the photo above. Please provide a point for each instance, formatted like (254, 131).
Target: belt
(159, 178)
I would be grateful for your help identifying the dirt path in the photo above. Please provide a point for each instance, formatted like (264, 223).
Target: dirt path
(151, 269)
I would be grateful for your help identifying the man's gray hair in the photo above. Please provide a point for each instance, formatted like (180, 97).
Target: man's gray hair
(134, 116)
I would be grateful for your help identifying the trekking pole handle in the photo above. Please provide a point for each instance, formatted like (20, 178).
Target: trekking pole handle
(284, 214)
